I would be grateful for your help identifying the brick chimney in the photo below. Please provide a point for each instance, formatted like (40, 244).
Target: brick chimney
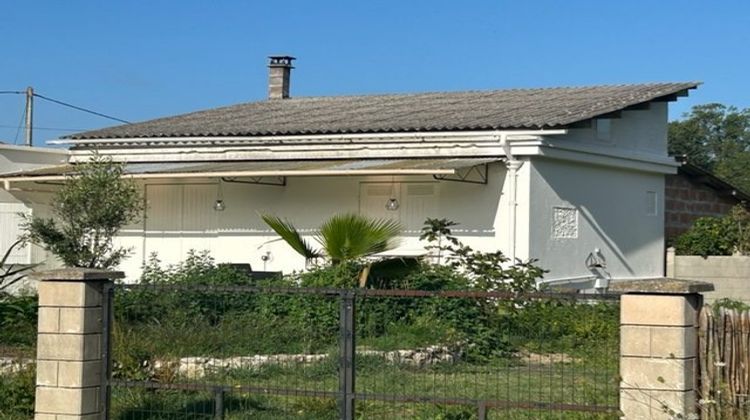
(279, 70)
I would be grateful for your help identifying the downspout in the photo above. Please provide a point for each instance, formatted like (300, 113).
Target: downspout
(513, 166)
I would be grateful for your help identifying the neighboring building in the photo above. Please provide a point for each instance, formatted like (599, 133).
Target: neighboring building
(12, 202)
(570, 176)
(693, 193)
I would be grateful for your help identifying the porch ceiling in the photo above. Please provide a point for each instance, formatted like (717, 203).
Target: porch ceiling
(265, 168)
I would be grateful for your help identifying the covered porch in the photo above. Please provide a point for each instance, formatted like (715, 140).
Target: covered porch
(216, 206)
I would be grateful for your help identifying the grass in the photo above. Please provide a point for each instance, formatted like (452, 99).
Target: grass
(507, 361)
(569, 383)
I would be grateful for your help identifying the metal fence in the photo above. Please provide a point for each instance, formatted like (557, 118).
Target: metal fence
(236, 352)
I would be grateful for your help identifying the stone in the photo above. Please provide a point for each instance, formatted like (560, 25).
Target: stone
(659, 310)
(46, 372)
(73, 347)
(69, 294)
(79, 374)
(48, 320)
(662, 285)
(80, 320)
(72, 401)
(658, 342)
(80, 274)
(657, 374)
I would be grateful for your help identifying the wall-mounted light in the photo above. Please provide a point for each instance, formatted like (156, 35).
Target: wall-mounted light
(392, 204)
(219, 204)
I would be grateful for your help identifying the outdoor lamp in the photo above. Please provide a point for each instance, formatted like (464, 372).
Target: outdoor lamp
(219, 204)
(392, 203)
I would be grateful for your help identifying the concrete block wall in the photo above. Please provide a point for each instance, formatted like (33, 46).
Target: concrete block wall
(730, 275)
(686, 200)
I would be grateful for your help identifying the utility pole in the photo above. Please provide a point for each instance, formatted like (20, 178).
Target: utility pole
(29, 116)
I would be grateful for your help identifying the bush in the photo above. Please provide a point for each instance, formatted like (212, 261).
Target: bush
(17, 394)
(18, 319)
(717, 235)
(707, 236)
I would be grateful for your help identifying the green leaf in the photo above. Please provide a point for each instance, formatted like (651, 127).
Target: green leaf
(291, 236)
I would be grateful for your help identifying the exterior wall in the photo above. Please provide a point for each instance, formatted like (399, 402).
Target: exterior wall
(730, 275)
(687, 200)
(238, 234)
(616, 211)
(641, 131)
(17, 158)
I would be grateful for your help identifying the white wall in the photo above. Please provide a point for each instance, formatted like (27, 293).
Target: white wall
(640, 131)
(17, 158)
(611, 207)
(239, 235)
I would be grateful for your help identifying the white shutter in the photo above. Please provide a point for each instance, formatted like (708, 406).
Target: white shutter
(419, 203)
(10, 230)
(374, 196)
(179, 218)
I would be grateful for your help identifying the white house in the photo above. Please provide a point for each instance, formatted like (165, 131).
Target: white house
(571, 176)
(14, 201)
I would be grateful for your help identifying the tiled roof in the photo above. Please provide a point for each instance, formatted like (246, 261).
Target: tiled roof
(451, 111)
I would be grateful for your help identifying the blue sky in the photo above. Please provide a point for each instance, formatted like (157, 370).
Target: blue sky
(144, 59)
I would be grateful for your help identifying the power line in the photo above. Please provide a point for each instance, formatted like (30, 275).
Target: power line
(80, 108)
(20, 123)
(48, 128)
(11, 92)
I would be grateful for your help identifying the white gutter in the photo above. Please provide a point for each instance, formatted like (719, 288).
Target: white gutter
(489, 135)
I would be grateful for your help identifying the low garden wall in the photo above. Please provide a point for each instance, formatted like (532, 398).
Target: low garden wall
(730, 275)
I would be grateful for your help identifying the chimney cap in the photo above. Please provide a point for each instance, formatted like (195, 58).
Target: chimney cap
(280, 61)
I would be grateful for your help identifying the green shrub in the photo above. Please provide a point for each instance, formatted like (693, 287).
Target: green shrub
(707, 236)
(18, 319)
(717, 235)
(17, 394)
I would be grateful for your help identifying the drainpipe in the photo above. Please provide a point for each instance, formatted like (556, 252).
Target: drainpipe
(513, 166)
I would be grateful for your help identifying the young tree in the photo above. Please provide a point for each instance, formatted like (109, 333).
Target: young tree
(94, 203)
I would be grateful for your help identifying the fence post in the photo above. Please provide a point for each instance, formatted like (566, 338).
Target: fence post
(71, 342)
(658, 347)
(347, 355)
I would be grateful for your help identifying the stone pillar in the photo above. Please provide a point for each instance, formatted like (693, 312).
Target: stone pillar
(658, 347)
(70, 344)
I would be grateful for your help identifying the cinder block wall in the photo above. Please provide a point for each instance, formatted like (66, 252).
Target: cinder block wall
(686, 200)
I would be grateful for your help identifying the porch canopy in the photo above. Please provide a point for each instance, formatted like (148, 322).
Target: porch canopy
(440, 168)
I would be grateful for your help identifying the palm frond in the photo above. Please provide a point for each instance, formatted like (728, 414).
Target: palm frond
(349, 236)
(291, 236)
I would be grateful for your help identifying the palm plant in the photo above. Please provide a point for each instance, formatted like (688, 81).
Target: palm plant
(11, 273)
(343, 237)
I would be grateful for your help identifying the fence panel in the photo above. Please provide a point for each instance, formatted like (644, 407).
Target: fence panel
(240, 352)
(724, 357)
